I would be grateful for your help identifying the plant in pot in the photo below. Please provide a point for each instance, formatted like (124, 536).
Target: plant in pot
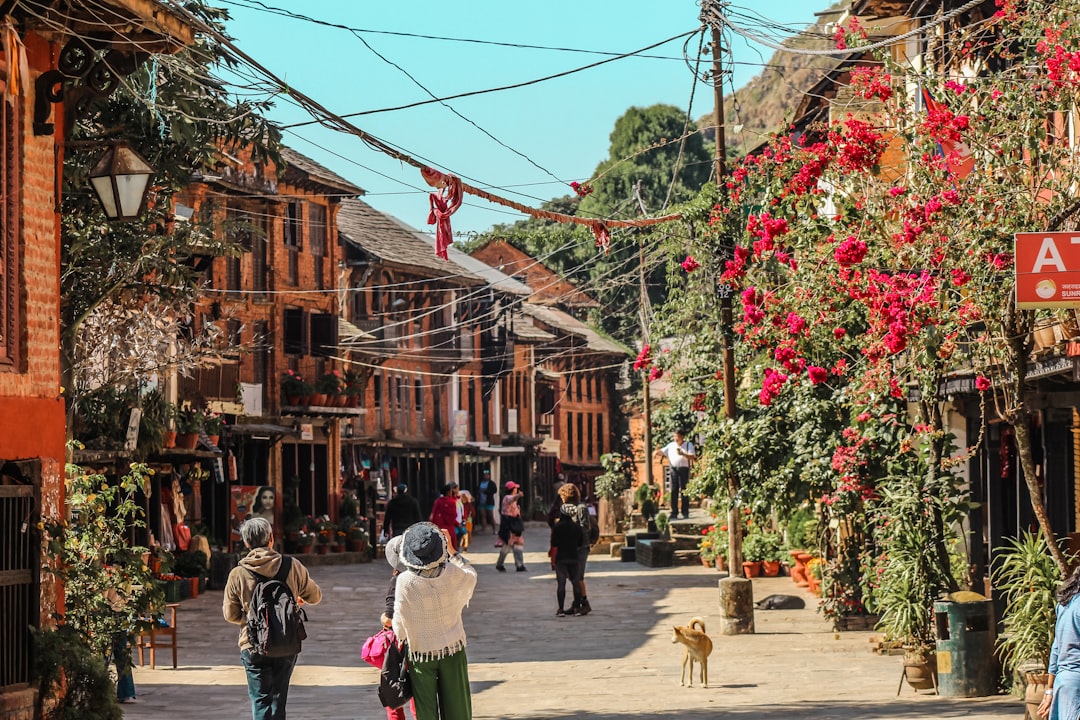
(754, 548)
(294, 388)
(329, 387)
(212, 423)
(772, 550)
(354, 386)
(645, 498)
(1028, 578)
(663, 525)
(189, 424)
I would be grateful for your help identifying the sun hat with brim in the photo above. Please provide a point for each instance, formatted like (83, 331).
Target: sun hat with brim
(511, 485)
(423, 547)
(393, 553)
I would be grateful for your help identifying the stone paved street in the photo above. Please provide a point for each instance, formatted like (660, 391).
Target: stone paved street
(618, 662)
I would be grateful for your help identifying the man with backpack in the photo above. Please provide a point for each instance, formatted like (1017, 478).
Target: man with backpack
(263, 595)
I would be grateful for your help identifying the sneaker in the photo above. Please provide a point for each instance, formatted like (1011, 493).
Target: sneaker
(500, 568)
(584, 608)
(560, 613)
(521, 568)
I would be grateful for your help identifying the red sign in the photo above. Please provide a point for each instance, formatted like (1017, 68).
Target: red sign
(1048, 269)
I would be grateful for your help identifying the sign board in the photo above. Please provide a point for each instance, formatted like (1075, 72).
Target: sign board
(251, 395)
(459, 434)
(307, 431)
(132, 439)
(1048, 269)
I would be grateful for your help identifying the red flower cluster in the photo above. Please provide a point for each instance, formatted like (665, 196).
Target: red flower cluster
(771, 386)
(871, 82)
(850, 252)
(582, 189)
(690, 264)
(860, 146)
(644, 358)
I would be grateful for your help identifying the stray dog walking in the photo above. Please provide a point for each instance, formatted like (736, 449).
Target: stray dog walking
(696, 647)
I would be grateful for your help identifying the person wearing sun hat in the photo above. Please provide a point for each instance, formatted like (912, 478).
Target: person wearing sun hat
(511, 528)
(430, 596)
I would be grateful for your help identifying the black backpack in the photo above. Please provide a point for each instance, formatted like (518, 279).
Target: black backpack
(590, 530)
(275, 623)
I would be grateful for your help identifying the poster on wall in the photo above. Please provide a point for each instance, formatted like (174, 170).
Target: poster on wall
(248, 501)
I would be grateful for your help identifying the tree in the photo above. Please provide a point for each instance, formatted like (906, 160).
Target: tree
(127, 288)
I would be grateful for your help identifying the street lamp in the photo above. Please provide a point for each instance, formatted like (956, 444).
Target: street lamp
(120, 180)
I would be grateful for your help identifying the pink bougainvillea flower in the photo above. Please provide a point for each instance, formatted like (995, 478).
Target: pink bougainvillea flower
(839, 333)
(896, 190)
(817, 374)
(656, 374)
(959, 277)
(795, 323)
(644, 359)
(582, 189)
(850, 252)
(982, 383)
(690, 264)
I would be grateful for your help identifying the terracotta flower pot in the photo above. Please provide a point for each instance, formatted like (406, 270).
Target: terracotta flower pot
(721, 563)
(187, 441)
(770, 568)
(213, 439)
(293, 400)
(322, 549)
(168, 439)
(751, 569)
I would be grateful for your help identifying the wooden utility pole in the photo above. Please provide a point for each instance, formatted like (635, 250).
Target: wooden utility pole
(644, 317)
(730, 410)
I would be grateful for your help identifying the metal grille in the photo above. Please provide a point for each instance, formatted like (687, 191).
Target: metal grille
(18, 582)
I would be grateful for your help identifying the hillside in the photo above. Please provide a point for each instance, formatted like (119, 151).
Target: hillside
(767, 101)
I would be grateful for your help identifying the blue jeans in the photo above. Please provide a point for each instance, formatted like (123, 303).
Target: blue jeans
(268, 685)
(121, 655)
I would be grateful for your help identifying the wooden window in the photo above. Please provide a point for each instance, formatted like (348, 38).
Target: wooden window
(317, 229)
(418, 396)
(599, 388)
(257, 242)
(580, 435)
(232, 273)
(570, 434)
(588, 387)
(600, 433)
(260, 358)
(589, 447)
(10, 232)
(377, 388)
(293, 331)
(323, 335)
(293, 240)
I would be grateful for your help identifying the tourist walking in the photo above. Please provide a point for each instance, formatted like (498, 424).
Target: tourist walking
(511, 528)
(446, 513)
(1062, 698)
(679, 453)
(267, 678)
(566, 536)
(578, 511)
(485, 501)
(429, 599)
(402, 510)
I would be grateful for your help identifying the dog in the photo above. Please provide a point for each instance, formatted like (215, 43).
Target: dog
(696, 647)
(780, 602)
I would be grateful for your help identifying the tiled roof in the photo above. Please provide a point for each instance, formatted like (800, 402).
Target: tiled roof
(390, 240)
(495, 278)
(300, 167)
(567, 323)
(524, 329)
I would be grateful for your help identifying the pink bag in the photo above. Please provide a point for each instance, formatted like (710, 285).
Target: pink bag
(374, 649)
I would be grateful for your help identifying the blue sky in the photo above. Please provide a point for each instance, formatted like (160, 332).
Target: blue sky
(561, 125)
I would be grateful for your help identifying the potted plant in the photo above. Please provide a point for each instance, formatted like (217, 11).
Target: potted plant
(188, 424)
(354, 386)
(328, 388)
(663, 525)
(754, 547)
(771, 553)
(294, 388)
(1028, 578)
(212, 423)
(358, 539)
(645, 499)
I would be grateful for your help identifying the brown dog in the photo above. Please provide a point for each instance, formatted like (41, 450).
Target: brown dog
(696, 646)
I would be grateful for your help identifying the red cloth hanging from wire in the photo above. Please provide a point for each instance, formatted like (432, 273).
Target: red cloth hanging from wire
(444, 203)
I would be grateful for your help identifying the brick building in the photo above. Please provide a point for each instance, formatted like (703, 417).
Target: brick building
(32, 452)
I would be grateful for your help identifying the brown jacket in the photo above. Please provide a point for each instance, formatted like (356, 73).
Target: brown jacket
(241, 585)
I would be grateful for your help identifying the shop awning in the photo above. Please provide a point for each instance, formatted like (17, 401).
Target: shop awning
(487, 449)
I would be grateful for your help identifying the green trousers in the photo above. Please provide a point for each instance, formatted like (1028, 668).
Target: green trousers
(441, 688)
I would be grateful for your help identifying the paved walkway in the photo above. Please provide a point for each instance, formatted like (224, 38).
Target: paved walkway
(618, 662)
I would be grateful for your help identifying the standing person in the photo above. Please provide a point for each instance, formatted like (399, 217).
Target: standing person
(393, 557)
(511, 528)
(468, 512)
(429, 600)
(485, 501)
(267, 679)
(402, 510)
(679, 453)
(578, 511)
(1062, 698)
(566, 536)
(444, 513)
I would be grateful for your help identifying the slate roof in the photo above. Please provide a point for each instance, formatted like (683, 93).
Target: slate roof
(567, 323)
(392, 241)
(495, 278)
(301, 169)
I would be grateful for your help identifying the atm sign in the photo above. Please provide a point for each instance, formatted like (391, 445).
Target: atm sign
(1048, 269)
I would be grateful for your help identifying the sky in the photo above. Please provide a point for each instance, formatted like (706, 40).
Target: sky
(551, 133)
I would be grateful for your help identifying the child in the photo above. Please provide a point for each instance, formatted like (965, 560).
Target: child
(468, 511)
(392, 550)
(566, 537)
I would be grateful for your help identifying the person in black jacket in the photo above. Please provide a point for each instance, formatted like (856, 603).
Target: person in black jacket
(566, 537)
(401, 511)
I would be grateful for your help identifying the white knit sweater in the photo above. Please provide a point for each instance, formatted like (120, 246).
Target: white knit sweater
(427, 610)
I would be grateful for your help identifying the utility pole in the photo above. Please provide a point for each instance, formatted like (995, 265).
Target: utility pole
(736, 592)
(644, 317)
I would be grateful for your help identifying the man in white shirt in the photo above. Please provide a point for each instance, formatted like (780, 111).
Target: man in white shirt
(679, 453)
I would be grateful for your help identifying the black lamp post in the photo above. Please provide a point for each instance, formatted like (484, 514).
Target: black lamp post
(120, 180)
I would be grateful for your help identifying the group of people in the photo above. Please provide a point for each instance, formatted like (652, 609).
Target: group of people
(431, 584)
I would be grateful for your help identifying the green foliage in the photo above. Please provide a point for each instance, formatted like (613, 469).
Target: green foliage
(73, 676)
(1025, 573)
(192, 563)
(663, 522)
(754, 547)
(108, 588)
(617, 475)
(645, 498)
(714, 542)
(802, 530)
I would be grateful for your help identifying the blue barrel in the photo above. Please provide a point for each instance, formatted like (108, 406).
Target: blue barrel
(966, 663)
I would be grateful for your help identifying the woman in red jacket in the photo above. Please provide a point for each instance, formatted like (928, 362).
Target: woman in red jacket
(444, 513)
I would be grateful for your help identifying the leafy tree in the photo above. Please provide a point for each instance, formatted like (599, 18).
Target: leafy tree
(127, 288)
